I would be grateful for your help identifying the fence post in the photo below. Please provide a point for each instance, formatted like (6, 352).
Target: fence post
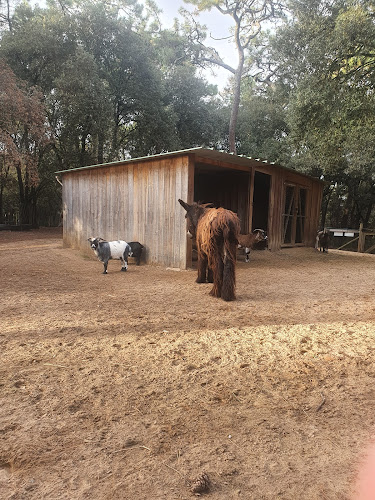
(361, 239)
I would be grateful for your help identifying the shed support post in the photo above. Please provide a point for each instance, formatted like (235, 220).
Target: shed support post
(249, 227)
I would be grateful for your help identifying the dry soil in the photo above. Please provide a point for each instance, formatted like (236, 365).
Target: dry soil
(132, 385)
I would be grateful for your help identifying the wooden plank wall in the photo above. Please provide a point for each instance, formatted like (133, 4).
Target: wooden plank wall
(280, 177)
(135, 202)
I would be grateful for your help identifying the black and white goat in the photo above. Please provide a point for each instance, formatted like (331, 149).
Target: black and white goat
(247, 241)
(107, 250)
(322, 240)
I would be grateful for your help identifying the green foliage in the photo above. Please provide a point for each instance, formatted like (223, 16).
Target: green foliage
(24, 137)
(80, 110)
(262, 127)
(330, 110)
(114, 84)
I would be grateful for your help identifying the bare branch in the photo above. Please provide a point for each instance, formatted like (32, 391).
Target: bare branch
(219, 62)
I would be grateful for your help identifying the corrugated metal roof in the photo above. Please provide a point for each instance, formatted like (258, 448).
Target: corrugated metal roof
(132, 160)
(208, 153)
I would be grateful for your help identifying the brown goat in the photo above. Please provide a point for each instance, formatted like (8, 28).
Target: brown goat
(247, 241)
(322, 240)
(216, 232)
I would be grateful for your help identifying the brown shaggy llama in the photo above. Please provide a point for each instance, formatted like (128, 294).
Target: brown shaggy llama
(216, 232)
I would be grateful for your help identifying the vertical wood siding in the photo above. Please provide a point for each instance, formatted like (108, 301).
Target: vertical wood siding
(135, 202)
(279, 178)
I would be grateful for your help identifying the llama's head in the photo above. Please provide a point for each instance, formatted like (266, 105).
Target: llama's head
(193, 213)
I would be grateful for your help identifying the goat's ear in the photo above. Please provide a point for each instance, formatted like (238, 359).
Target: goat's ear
(184, 205)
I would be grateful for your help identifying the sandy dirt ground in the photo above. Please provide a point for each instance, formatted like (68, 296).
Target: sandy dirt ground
(133, 385)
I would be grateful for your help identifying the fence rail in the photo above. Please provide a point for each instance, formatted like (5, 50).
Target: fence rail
(361, 238)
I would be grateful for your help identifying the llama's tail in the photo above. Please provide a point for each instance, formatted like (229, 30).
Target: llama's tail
(229, 271)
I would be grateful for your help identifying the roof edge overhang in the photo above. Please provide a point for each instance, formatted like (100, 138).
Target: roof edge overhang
(199, 152)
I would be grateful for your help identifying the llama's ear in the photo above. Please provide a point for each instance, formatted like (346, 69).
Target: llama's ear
(208, 205)
(184, 205)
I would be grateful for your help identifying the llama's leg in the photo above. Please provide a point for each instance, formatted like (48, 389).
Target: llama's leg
(202, 268)
(229, 273)
(217, 271)
(210, 275)
(217, 278)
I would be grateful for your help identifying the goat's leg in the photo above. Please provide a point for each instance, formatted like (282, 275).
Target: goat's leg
(138, 259)
(202, 267)
(247, 254)
(124, 265)
(105, 264)
(124, 259)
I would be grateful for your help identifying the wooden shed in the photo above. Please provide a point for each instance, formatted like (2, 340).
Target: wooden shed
(136, 200)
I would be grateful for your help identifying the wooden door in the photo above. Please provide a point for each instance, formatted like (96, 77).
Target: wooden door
(294, 216)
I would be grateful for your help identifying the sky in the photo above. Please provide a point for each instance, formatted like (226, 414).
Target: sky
(218, 28)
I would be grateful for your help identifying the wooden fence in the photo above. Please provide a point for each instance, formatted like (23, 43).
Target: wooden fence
(361, 238)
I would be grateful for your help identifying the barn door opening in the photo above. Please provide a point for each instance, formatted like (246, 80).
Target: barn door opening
(294, 216)
(227, 188)
(261, 196)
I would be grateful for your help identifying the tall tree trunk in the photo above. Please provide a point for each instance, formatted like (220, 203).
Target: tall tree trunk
(116, 116)
(236, 94)
(326, 198)
(83, 150)
(8, 16)
(34, 207)
(235, 108)
(368, 214)
(347, 209)
(100, 147)
(1, 205)
(27, 199)
(21, 192)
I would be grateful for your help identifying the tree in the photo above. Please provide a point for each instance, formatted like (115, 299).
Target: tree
(248, 16)
(81, 111)
(23, 139)
(331, 106)
(114, 83)
(262, 128)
